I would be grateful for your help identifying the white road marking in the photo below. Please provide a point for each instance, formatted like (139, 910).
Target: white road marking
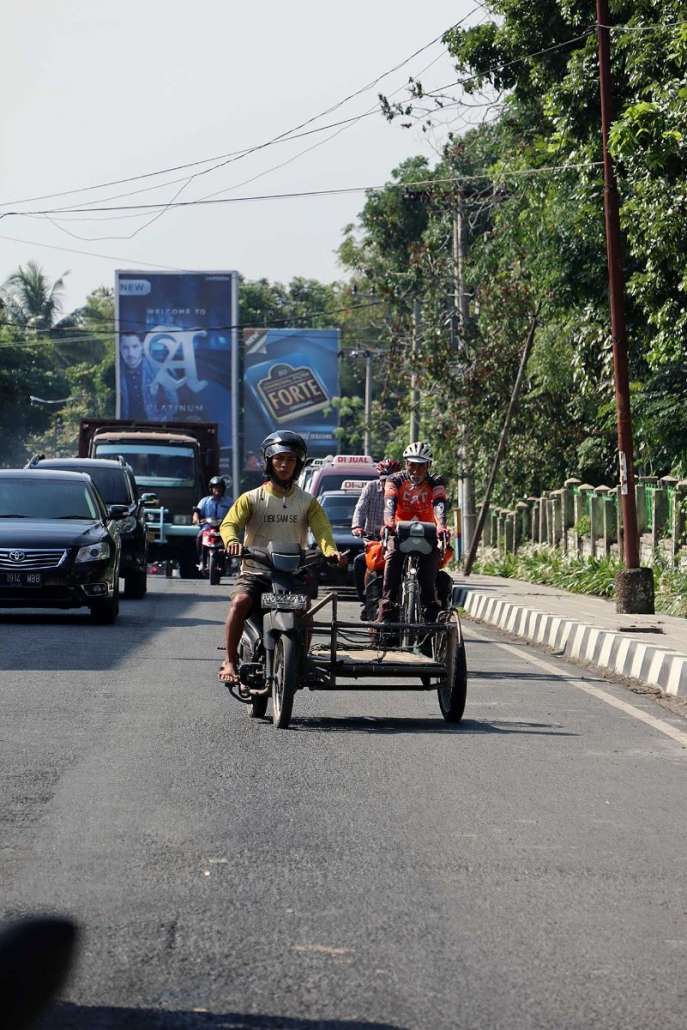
(680, 736)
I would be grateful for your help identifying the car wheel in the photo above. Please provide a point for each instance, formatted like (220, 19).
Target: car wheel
(105, 612)
(135, 585)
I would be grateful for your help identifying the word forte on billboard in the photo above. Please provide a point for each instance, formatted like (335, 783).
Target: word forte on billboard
(289, 393)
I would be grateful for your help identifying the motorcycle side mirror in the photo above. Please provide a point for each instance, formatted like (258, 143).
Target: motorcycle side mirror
(149, 500)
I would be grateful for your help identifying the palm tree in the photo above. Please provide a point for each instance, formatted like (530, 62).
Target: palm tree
(32, 301)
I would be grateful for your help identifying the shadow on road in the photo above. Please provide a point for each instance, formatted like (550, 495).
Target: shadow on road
(67, 1016)
(370, 724)
(55, 641)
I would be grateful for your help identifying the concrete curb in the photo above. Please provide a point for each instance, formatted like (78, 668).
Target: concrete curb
(619, 653)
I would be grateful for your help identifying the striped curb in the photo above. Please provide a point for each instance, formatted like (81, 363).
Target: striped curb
(619, 653)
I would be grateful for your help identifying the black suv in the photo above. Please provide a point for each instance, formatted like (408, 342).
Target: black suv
(114, 481)
(59, 547)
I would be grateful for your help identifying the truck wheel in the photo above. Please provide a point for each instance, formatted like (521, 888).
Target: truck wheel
(284, 677)
(135, 585)
(104, 613)
(187, 566)
(214, 569)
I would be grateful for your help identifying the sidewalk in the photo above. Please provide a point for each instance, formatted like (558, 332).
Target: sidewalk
(648, 648)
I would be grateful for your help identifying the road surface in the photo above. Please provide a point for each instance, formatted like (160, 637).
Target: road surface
(370, 867)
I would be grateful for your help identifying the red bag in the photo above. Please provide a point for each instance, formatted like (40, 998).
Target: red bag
(374, 556)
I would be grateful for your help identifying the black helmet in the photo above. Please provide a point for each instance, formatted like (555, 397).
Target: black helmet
(284, 442)
(218, 481)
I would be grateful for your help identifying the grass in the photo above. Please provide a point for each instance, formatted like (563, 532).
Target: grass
(585, 575)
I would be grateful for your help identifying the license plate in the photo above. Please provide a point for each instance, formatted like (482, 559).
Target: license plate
(285, 602)
(21, 579)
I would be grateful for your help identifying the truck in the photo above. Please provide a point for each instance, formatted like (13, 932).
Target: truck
(174, 461)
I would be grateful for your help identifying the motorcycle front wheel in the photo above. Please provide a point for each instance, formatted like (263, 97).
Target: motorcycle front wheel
(284, 681)
(214, 568)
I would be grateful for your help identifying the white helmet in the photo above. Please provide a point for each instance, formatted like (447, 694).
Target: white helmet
(418, 451)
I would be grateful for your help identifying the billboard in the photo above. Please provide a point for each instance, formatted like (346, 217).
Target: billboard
(177, 349)
(290, 377)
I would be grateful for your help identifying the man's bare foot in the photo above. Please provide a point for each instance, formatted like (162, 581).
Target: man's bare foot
(227, 673)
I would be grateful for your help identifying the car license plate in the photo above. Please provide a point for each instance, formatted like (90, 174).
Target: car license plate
(21, 579)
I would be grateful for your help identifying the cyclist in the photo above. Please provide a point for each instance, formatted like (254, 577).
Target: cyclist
(414, 493)
(368, 517)
(276, 512)
(213, 506)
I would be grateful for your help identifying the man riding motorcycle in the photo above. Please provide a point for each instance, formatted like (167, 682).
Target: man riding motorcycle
(414, 493)
(278, 512)
(213, 506)
(368, 517)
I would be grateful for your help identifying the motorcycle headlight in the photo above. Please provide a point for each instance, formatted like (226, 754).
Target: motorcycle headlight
(127, 525)
(94, 552)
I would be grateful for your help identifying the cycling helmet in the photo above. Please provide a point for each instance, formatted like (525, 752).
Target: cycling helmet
(387, 466)
(217, 481)
(418, 451)
(283, 442)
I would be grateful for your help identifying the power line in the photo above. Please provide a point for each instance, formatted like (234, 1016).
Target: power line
(248, 150)
(138, 325)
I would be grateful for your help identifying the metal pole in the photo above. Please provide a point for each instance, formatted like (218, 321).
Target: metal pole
(235, 393)
(460, 301)
(414, 391)
(368, 400)
(616, 289)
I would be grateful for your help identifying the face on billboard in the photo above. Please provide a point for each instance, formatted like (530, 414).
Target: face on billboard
(131, 351)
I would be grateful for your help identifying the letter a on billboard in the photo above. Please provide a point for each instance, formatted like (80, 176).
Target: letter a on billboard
(176, 335)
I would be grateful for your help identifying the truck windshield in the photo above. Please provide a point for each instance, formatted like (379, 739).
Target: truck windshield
(154, 465)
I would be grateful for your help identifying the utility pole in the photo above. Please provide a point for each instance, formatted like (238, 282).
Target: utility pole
(460, 304)
(414, 391)
(368, 400)
(634, 586)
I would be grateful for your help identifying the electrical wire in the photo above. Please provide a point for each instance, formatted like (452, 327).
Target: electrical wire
(222, 158)
(333, 191)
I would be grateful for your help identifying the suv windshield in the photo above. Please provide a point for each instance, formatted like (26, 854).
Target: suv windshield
(154, 465)
(340, 509)
(112, 484)
(46, 499)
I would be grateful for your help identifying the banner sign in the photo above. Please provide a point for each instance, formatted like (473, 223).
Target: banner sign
(175, 336)
(290, 378)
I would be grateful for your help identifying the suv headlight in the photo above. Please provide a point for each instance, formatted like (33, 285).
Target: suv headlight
(127, 525)
(94, 552)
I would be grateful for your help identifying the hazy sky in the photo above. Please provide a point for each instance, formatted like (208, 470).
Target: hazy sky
(96, 91)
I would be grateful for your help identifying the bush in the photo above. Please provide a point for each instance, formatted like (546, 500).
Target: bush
(586, 575)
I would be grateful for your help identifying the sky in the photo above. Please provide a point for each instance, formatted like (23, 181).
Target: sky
(95, 92)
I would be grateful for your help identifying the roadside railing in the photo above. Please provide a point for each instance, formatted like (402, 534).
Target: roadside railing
(583, 519)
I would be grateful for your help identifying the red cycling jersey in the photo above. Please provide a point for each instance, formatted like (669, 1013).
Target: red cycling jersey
(405, 500)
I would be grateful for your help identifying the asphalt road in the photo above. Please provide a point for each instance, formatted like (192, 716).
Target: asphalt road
(370, 867)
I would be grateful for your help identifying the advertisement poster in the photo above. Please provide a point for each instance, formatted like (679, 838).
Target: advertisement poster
(176, 336)
(290, 378)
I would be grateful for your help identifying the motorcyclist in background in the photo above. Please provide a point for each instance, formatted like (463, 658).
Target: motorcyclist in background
(414, 493)
(213, 506)
(368, 517)
(278, 512)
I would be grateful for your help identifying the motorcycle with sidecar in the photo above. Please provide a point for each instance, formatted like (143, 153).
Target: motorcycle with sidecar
(280, 650)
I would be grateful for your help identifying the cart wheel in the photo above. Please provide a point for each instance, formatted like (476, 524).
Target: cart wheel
(453, 695)
(283, 682)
